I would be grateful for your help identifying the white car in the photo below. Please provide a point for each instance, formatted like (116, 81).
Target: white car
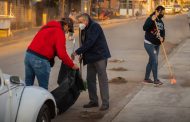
(177, 8)
(169, 9)
(20, 103)
(185, 8)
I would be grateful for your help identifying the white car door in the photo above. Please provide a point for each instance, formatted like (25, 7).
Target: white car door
(9, 101)
(4, 103)
(15, 100)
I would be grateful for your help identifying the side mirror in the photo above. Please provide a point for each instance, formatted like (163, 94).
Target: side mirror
(15, 79)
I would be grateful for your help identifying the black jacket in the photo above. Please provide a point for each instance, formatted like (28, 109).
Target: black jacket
(94, 46)
(151, 32)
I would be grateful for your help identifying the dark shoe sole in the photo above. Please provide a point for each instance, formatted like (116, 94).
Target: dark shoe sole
(148, 81)
(157, 85)
(104, 108)
(90, 106)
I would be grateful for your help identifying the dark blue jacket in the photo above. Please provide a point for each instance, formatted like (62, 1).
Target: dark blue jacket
(94, 46)
(151, 31)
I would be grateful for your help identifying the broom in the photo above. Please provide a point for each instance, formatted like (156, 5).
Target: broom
(172, 77)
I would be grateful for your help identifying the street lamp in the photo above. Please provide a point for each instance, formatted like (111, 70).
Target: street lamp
(149, 4)
(85, 7)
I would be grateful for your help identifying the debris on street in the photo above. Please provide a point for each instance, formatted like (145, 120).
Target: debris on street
(118, 80)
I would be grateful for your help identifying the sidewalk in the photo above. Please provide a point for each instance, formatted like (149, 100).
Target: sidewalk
(18, 36)
(167, 103)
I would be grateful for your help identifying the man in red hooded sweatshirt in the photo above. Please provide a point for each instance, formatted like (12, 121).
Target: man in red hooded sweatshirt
(49, 42)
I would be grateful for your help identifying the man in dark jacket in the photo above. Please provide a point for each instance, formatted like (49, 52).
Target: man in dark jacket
(154, 35)
(95, 53)
(48, 42)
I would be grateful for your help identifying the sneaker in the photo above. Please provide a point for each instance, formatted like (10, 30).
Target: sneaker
(148, 81)
(90, 105)
(158, 82)
(104, 107)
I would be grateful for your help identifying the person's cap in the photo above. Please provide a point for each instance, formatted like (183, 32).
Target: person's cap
(69, 22)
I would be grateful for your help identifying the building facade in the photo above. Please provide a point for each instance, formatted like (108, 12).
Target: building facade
(30, 13)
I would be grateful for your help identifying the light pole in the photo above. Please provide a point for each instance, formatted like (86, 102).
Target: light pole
(149, 6)
(127, 5)
(85, 6)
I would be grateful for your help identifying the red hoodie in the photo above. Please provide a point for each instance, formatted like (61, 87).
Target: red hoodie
(51, 40)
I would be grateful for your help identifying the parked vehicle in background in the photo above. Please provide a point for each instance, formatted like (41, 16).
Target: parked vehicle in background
(177, 8)
(20, 103)
(169, 9)
(185, 8)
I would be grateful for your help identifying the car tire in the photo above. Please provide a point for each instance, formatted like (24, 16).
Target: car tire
(44, 114)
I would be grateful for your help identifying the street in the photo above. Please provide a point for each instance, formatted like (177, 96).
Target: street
(125, 41)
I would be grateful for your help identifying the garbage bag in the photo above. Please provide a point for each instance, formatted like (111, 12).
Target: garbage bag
(70, 85)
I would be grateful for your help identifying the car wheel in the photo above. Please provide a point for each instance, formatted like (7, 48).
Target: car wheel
(44, 114)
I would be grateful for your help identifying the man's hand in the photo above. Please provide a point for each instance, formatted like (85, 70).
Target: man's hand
(75, 67)
(80, 58)
(74, 54)
(72, 57)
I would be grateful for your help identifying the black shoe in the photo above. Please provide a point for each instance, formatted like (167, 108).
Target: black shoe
(148, 81)
(158, 82)
(90, 105)
(104, 107)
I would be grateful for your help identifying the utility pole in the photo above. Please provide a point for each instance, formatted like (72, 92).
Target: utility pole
(62, 8)
(133, 7)
(109, 4)
(149, 6)
(127, 6)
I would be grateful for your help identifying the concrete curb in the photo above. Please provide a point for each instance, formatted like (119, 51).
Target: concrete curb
(173, 51)
(108, 117)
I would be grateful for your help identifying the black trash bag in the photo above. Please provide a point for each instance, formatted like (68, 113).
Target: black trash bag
(70, 86)
(79, 81)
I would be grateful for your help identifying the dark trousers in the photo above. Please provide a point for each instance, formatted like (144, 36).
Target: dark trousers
(98, 68)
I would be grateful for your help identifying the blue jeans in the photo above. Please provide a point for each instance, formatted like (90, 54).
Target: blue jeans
(39, 67)
(153, 51)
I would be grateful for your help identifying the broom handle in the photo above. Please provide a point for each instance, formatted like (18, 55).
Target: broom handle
(169, 66)
(166, 57)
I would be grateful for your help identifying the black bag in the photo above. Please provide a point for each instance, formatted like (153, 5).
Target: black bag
(70, 86)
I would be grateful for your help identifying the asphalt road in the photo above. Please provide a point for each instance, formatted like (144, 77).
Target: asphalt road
(125, 42)
(124, 36)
